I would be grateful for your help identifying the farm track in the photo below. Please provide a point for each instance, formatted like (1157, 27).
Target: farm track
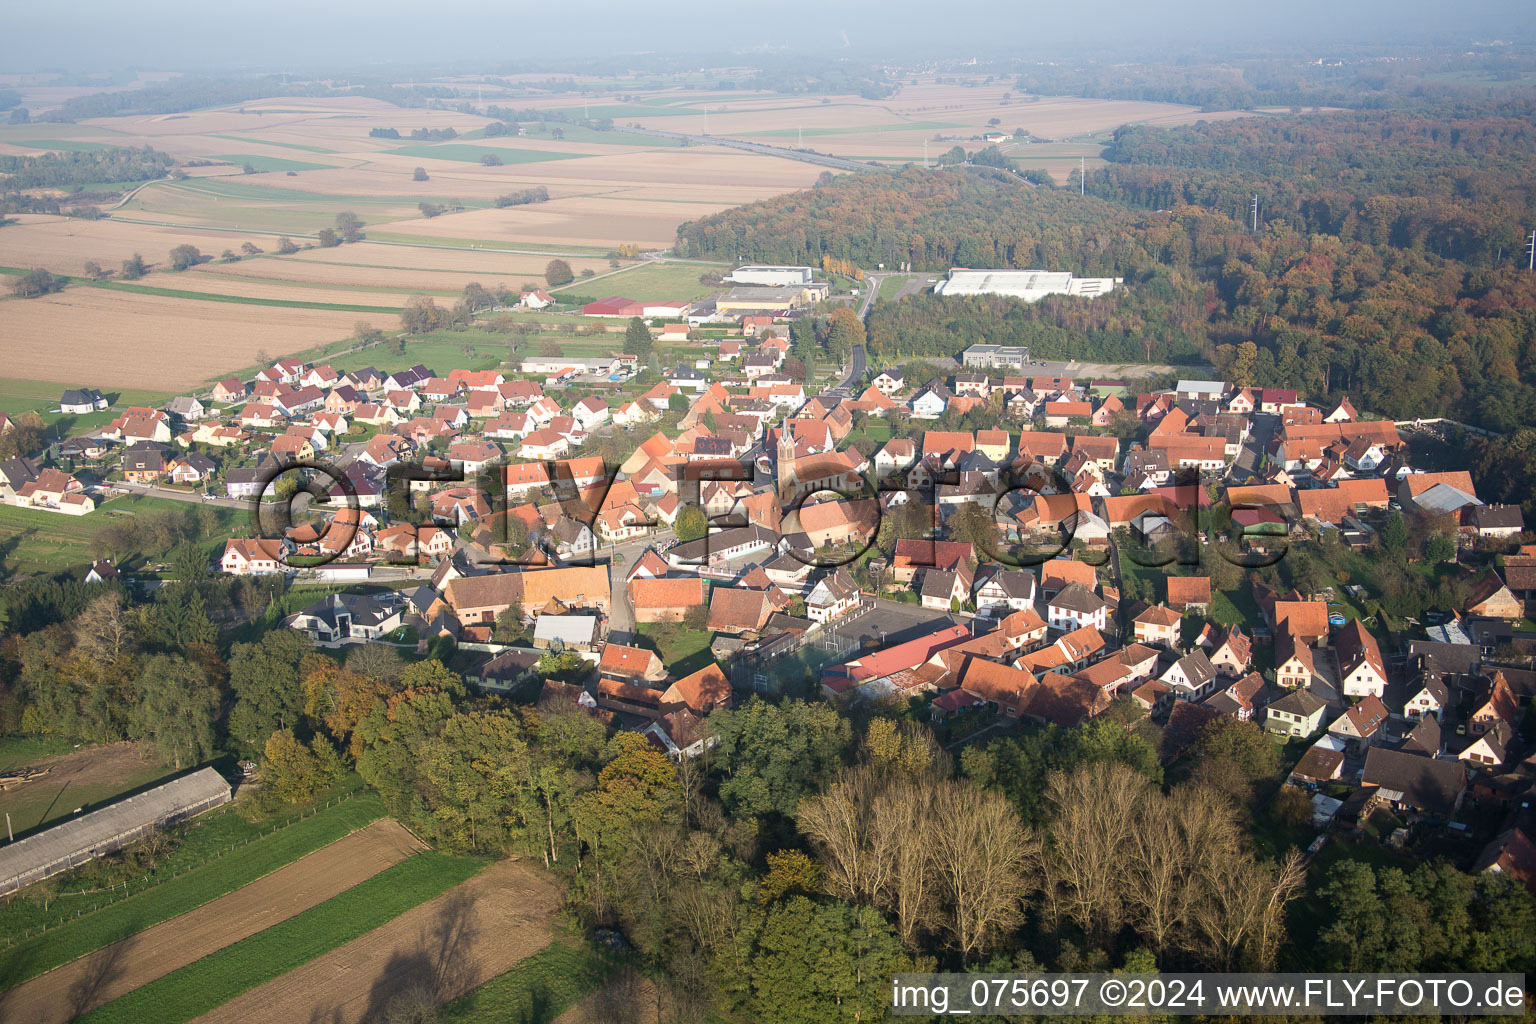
(135, 960)
(447, 946)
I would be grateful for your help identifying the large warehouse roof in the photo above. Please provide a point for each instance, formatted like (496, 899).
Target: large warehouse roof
(91, 835)
(1029, 285)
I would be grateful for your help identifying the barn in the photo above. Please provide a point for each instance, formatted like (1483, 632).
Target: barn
(110, 828)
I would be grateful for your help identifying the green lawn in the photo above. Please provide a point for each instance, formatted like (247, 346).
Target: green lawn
(42, 396)
(439, 351)
(270, 163)
(219, 977)
(1229, 607)
(889, 286)
(35, 541)
(536, 991)
(651, 282)
(22, 750)
(874, 431)
(681, 649)
(220, 854)
(473, 154)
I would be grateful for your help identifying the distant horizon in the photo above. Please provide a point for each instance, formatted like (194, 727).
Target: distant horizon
(174, 35)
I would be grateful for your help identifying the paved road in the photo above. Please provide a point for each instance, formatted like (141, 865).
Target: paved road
(621, 616)
(871, 286)
(173, 494)
(1262, 432)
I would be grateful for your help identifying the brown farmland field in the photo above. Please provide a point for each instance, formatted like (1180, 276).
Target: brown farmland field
(426, 259)
(587, 221)
(606, 189)
(63, 245)
(447, 946)
(372, 284)
(158, 343)
(64, 993)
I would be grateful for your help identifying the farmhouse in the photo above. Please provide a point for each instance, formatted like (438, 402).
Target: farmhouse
(253, 557)
(479, 599)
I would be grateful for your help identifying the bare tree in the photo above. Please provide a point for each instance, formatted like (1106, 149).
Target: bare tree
(986, 863)
(905, 860)
(104, 631)
(838, 824)
(1097, 812)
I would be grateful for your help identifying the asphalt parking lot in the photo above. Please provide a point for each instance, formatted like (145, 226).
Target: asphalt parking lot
(890, 623)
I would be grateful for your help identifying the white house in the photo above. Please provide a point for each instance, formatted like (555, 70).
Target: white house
(1192, 677)
(589, 412)
(1074, 607)
(1006, 591)
(832, 597)
(253, 557)
(896, 455)
(1429, 700)
(929, 405)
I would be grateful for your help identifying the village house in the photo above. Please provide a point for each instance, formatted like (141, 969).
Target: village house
(1360, 725)
(832, 597)
(633, 665)
(1363, 671)
(663, 599)
(1157, 625)
(1005, 590)
(1191, 678)
(1298, 714)
(1075, 606)
(253, 557)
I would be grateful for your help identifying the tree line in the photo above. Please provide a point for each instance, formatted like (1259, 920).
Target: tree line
(84, 167)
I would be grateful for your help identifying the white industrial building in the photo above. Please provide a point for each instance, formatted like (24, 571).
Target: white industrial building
(1029, 285)
(772, 277)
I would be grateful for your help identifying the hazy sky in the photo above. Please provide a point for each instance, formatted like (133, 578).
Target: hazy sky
(305, 34)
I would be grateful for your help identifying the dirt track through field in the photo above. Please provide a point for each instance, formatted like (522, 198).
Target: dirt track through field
(66, 992)
(443, 948)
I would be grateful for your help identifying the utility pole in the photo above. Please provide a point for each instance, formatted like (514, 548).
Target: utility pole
(799, 137)
(1530, 248)
(1082, 176)
(706, 120)
(1255, 209)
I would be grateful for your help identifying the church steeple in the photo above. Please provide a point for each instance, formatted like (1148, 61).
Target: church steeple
(786, 458)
